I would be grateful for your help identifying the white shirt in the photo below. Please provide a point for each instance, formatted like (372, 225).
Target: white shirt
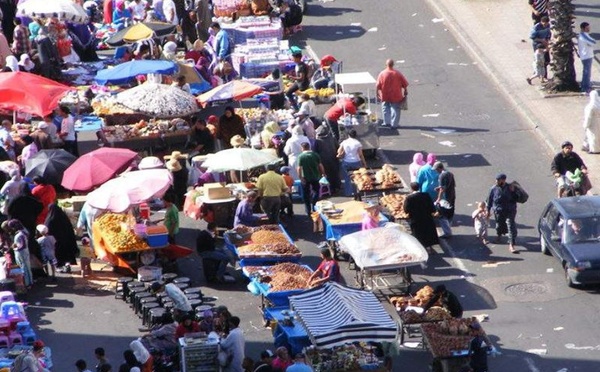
(138, 10)
(168, 7)
(309, 108)
(585, 44)
(68, 126)
(351, 148)
(234, 344)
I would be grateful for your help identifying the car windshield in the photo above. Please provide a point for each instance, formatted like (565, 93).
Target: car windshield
(582, 229)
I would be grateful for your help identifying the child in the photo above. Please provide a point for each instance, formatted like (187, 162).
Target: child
(48, 245)
(539, 64)
(481, 222)
(171, 221)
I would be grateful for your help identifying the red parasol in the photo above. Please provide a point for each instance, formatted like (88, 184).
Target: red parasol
(30, 93)
(235, 90)
(96, 167)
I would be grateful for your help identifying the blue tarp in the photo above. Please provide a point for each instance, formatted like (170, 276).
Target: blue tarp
(125, 72)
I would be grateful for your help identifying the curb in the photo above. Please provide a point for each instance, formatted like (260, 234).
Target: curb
(488, 69)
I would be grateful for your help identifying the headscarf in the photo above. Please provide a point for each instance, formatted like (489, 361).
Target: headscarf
(431, 158)
(322, 131)
(26, 63)
(170, 47)
(297, 131)
(414, 167)
(12, 63)
(270, 129)
(140, 352)
(198, 45)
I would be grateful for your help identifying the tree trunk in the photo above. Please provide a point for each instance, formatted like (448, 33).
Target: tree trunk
(563, 61)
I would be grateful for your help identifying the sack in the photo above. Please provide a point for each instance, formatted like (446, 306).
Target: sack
(404, 103)
(521, 194)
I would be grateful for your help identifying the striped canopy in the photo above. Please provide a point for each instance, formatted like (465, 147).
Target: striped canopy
(334, 315)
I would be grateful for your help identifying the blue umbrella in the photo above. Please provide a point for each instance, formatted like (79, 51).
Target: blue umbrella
(123, 73)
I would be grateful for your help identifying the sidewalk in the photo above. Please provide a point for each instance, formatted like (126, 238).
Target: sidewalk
(497, 36)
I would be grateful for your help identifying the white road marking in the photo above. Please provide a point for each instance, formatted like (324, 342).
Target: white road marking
(437, 20)
(431, 115)
(356, 24)
(537, 351)
(447, 143)
(559, 328)
(573, 347)
(372, 29)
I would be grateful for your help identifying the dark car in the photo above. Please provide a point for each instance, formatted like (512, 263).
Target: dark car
(570, 229)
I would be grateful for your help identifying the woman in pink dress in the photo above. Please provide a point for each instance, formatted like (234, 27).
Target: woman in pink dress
(371, 217)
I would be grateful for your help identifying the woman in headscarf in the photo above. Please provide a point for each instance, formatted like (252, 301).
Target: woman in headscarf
(12, 188)
(293, 148)
(25, 63)
(414, 167)
(60, 227)
(26, 208)
(326, 147)
(169, 51)
(270, 129)
(591, 124)
(142, 355)
(21, 248)
(12, 64)
(230, 124)
(431, 158)
(46, 194)
(121, 16)
(196, 51)
(48, 56)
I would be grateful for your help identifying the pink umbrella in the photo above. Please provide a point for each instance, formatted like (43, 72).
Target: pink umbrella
(131, 188)
(97, 167)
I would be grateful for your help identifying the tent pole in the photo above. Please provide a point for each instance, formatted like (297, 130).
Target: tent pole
(14, 117)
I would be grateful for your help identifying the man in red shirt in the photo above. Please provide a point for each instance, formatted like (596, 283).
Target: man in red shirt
(391, 90)
(342, 106)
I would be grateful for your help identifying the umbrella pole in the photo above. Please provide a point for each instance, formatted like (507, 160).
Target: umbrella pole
(14, 117)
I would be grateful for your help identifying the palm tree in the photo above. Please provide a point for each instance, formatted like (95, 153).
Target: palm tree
(563, 60)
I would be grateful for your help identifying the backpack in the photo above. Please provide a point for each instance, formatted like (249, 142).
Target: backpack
(521, 194)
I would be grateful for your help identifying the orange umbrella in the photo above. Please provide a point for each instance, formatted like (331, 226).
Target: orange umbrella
(30, 93)
(235, 90)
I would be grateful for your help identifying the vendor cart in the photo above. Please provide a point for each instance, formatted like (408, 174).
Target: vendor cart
(382, 257)
(364, 123)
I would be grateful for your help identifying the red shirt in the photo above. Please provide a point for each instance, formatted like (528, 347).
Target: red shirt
(330, 269)
(182, 330)
(47, 195)
(390, 85)
(337, 110)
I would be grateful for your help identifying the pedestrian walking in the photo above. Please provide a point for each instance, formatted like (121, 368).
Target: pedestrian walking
(446, 192)
(539, 65)
(480, 222)
(502, 200)
(271, 186)
(585, 46)
(591, 124)
(391, 90)
(541, 34)
(310, 170)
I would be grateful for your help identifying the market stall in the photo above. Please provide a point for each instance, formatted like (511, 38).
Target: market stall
(334, 315)
(383, 256)
(340, 219)
(364, 122)
(266, 244)
(118, 240)
(375, 182)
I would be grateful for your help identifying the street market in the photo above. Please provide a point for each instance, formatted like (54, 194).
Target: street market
(201, 164)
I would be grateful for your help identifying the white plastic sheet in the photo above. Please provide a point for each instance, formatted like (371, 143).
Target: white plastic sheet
(383, 248)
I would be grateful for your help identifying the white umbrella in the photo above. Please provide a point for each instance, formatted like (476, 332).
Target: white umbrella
(131, 188)
(65, 10)
(239, 159)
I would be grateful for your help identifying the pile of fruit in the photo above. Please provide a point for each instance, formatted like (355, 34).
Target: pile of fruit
(323, 93)
(117, 235)
(395, 204)
(387, 177)
(251, 114)
(449, 335)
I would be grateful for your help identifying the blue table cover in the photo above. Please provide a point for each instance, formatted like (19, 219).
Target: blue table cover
(293, 337)
(336, 232)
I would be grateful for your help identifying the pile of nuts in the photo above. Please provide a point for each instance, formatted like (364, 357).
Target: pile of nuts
(268, 237)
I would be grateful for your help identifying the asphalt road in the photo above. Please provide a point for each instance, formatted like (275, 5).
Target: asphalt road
(455, 112)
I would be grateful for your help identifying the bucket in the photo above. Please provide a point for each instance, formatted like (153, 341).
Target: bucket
(144, 211)
(149, 273)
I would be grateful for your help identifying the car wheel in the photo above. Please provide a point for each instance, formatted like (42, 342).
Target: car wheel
(568, 280)
(544, 246)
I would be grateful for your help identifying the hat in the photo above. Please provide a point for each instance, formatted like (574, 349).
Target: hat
(475, 326)
(327, 60)
(38, 345)
(285, 169)
(174, 165)
(236, 141)
(212, 119)
(500, 176)
(176, 155)
(370, 205)
(42, 125)
(266, 354)
(295, 50)
(42, 229)
(150, 162)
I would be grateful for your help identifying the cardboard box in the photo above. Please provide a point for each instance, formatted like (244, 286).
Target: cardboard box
(216, 191)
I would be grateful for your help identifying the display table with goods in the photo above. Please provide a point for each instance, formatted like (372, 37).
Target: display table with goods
(287, 329)
(121, 242)
(375, 182)
(197, 352)
(266, 244)
(248, 28)
(341, 219)
(448, 342)
(277, 282)
(213, 203)
(257, 58)
(383, 255)
(350, 357)
(410, 311)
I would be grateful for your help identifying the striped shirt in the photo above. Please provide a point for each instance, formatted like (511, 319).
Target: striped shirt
(540, 6)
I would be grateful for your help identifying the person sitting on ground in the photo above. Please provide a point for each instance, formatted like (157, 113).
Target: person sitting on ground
(244, 212)
(290, 13)
(448, 300)
(206, 247)
(328, 270)
(187, 325)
